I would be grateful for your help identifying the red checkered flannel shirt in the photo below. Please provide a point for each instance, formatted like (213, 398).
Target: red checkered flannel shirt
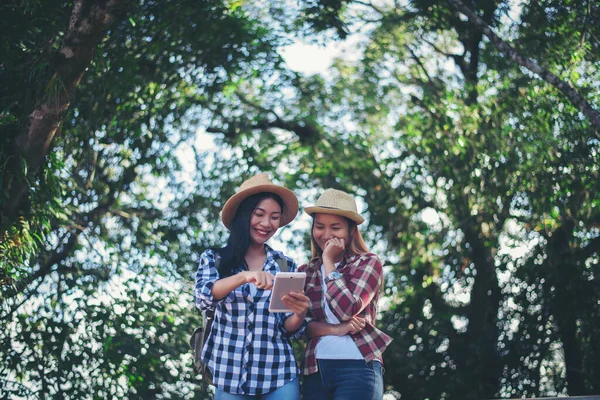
(356, 293)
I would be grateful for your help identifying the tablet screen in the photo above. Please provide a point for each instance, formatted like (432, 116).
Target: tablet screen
(285, 282)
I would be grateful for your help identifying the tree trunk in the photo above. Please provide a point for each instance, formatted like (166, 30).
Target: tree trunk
(562, 261)
(482, 335)
(87, 27)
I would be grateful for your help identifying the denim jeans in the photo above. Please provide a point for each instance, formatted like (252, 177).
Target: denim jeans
(289, 391)
(345, 380)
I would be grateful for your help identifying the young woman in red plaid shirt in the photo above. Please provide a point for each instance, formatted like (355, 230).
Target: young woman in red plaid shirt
(343, 356)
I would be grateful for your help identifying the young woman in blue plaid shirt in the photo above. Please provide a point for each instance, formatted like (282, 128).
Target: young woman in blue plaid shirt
(249, 350)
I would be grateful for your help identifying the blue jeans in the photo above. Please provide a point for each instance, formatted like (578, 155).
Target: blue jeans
(345, 380)
(289, 391)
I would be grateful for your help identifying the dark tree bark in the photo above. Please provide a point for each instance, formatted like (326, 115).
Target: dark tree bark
(571, 93)
(87, 28)
(561, 259)
(483, 332)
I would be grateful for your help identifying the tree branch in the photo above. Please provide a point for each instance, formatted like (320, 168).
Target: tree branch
(570, 92)
(26, 297)
(430, 82)
(370, 5)
(79, 223)
(56, 257)
(458, 59)
(306, 133)
(258, 107)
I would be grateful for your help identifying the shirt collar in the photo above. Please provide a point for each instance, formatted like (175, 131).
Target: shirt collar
(272, 257)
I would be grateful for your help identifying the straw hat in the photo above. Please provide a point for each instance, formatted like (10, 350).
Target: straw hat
(336, 202)
(261, 184)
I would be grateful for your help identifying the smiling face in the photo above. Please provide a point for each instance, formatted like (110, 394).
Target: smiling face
(327, 226)
(265, 221)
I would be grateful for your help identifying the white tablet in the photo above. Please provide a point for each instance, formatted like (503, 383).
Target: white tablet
(285, 282)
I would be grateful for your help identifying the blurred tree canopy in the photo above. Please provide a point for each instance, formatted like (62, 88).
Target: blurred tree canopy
(480, 181)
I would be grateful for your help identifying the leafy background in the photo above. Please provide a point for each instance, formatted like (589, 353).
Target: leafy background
(479, 181)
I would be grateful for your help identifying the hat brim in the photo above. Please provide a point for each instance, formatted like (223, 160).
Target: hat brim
(335, 211)
(290, 203)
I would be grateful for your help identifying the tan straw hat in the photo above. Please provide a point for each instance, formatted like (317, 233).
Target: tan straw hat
(261, 184)
(336, 202)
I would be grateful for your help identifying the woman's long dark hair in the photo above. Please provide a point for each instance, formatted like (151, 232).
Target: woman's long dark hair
(232, 255)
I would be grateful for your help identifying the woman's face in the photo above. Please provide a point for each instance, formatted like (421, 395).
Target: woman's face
(265, 221)
(327, 226)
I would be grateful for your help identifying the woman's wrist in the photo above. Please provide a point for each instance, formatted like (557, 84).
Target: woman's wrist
(297, 318)
(293, 323)
(341, 329)
(243, 277)
(328, 265)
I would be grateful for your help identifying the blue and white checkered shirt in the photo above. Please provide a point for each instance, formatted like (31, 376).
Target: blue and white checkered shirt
(249, 349)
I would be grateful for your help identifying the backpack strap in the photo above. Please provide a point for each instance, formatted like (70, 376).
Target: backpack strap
(209, 314)
(283, 265)
(199, 339)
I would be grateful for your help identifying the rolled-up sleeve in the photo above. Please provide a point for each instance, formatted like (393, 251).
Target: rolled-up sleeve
(206, 276)
(349, 295)
(298, 334)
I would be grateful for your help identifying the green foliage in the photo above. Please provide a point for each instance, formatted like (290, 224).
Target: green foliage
(479, 182)
(484, 148)
(500, 160)
(96, 302)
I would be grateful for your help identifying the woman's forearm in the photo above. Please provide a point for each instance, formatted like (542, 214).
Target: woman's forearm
(293, 323)
(224, 286)
(319, 328)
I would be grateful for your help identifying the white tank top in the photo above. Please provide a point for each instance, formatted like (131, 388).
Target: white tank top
(332, 347)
